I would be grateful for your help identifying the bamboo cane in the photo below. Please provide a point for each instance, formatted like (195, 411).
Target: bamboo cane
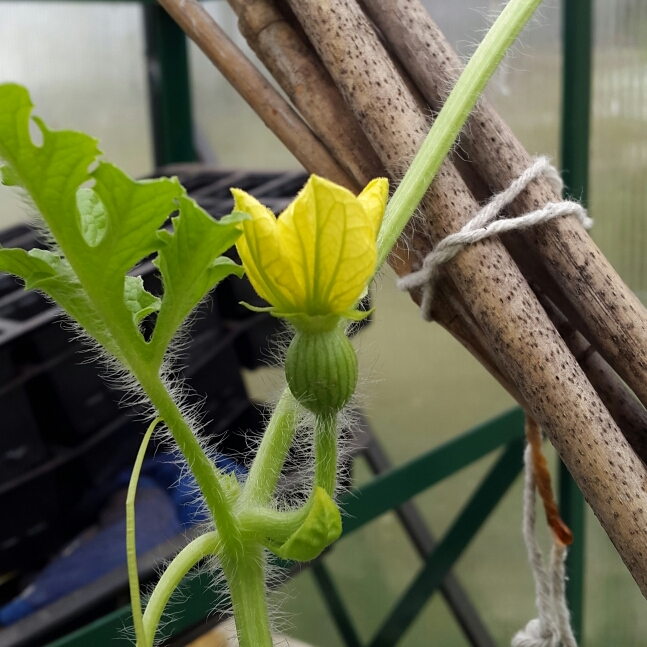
(277, 114)
(585, 286)
(275, 42)
(495, 292)
(625, 409)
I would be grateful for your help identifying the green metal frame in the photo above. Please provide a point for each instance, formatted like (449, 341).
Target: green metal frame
(439, 563)
(169, 88)
(575, 135)
(173, 142)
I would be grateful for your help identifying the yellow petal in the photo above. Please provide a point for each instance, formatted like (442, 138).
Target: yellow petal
(330, 242)
(373, 199)
(260, 251)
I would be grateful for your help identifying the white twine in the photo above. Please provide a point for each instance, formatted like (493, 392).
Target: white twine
(552, 627)
(485, 224)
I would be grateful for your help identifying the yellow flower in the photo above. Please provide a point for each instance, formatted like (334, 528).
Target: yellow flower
(318, 256)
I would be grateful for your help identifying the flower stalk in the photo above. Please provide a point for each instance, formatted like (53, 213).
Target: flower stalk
(326, 452)
(266, 469)
(450, 122)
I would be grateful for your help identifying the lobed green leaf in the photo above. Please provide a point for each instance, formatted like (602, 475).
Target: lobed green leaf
(94, 220)
(104, 224)
(191, 263)
(138, 300)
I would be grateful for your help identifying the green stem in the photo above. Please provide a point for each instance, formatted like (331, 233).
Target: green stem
(264, 523)
(246, 579)
(270, 457)
(204, 471)
(131, 543)
(204, 546)
(326, 453)
(450, 121)
(135, 355)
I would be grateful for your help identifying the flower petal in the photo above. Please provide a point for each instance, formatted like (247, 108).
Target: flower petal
(373, 198)
(260, 251)
(330, 242)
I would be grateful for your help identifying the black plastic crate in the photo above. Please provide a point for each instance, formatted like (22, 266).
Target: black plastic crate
(69, 396)
(22, 445)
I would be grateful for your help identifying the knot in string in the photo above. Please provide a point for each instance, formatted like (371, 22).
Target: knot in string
(536, 634)
(485, 224)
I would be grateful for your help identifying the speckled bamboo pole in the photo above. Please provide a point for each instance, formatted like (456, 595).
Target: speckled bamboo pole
(587, 288)
(450, 311)
(495, 292)
(277, 114)
(625, 409)
(296, 68)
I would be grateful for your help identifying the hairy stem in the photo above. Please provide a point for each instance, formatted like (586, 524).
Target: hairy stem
(204, 546)
(326, 453)
(277, 525)
(131, 543)
(450, 121)
(135, 355)
(246, 579)
(204, 471)
(268, 462)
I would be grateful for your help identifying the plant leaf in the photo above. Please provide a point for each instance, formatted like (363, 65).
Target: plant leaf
(138, 300)
(321, 528)
(50, 173)
(135, 212)
(104, 230)
(94, 220)
(26, 265)
(45, 271)
(191, 264)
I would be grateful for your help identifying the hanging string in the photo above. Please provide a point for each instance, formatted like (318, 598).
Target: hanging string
(485, 224)
(552, 627)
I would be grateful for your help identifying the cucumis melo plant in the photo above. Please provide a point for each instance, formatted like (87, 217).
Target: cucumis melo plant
(101, 224)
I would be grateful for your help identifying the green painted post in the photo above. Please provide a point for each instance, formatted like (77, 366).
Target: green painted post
(576, 109)
(169, 88)
(448, 550)
(335, 604)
